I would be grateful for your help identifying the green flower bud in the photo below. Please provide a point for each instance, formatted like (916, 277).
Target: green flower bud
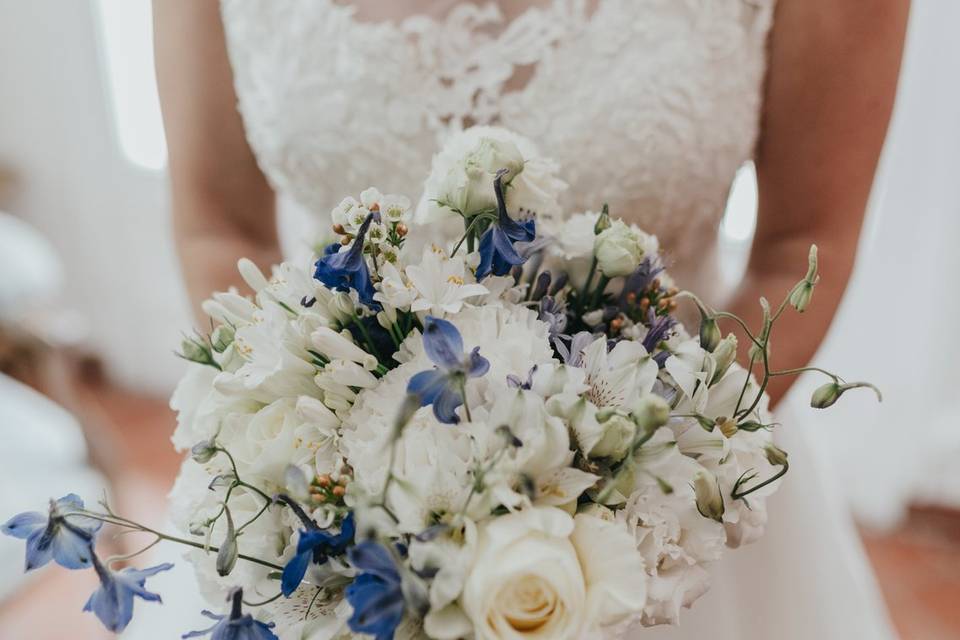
(803, 292)
(203, 451)
(603, 221)
(724, 355)
(650, 413)
(196, 351)
(825, 395)
(222, 337)
(709, 332)
(229, 552)
(618, 434)
(709, 499)
(776, 456)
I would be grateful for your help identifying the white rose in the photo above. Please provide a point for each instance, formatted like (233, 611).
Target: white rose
(619, 249)
(539, 573)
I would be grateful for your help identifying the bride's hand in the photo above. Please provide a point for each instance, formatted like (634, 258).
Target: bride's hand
(832, 77)
(223, 208)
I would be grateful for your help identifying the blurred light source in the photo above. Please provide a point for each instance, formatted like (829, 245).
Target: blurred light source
(740, 218)
(126, 38)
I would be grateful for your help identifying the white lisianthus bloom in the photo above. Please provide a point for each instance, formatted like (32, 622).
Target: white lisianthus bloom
(462, 175)
(620, 248)
(442, 284)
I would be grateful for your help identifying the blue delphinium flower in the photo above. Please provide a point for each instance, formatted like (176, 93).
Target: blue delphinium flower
(497, 251)
(113, 601)
(68, 542)
(442, 386)
(315, 545)
(236, 626)
(376, 594)
(345, 270)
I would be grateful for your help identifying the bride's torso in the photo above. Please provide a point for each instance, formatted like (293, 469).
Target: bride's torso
(649, 105)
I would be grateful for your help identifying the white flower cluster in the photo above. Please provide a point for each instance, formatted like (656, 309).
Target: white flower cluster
(537, 452)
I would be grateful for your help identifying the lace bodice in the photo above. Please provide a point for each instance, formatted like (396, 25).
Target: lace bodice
(650, 105)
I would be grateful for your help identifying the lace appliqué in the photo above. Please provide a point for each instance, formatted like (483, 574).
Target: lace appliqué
(649, 105)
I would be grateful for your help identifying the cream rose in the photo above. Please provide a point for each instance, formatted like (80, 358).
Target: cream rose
(540, 573)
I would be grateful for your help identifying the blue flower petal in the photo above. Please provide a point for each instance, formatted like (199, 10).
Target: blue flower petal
(427, 385)
(445, 405)
(24, 525)
(477, 364)
(72, 547)
(442, 342)
(112, 602)
(294, 571)
(373, 558)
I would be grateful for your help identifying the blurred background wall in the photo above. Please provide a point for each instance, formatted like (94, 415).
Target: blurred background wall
(70, 177)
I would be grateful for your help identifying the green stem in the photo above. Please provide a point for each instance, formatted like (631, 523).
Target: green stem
(368, 338)
(581, 299)
(129, 524)
(466, 405)
(736, 495)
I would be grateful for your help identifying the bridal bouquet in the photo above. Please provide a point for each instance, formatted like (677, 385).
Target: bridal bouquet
(503, 433)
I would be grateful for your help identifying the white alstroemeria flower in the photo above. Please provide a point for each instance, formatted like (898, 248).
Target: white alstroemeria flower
(443, 284)
(275, 360)
(617, 377)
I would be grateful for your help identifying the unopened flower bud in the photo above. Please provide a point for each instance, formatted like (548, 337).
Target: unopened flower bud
(338, 229)
(825, 395)
(603, 221)
(295, 481)
(196, 351)
(709, 332)
(775, 455)
(203, 451)
(727, 426)
(650, 413)
(402, 230)
(756, 353)
(723, 356)
(229, 552)
(222, 337)
(709, 499)
(251, 274)
(803, 292)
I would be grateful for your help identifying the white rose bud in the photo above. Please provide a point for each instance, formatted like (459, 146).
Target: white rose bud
(468, 187)
(709, 499)
(619, 249)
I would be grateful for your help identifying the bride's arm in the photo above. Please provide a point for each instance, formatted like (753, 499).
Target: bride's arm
(223, 208)
(830, 88)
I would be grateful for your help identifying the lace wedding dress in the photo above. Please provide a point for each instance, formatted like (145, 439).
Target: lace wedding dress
(650, 105)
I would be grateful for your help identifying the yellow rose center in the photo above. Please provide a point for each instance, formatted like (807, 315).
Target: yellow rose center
(528, 603)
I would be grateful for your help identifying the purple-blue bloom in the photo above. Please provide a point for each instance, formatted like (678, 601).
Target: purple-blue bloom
(69, 542)
(345, 270)
(497, 251)
(376, 594)
(236, 626)
(660, 328)
(315, 545)
(442, 386)
(113, 601)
